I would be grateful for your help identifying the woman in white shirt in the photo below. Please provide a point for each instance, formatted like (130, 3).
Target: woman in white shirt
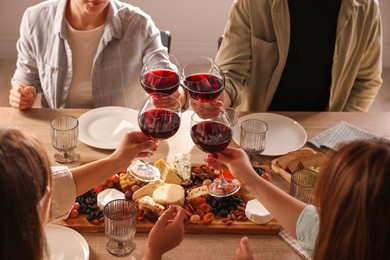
(27, 188)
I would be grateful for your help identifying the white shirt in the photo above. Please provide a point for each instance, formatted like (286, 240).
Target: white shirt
(83, 45)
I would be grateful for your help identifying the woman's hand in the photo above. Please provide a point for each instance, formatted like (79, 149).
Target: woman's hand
(133, 144)
(167, 233)
(244, 252)
(234, 159)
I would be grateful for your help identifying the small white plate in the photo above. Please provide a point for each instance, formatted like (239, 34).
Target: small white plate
(104, 127)
(284, 134)
(65, 243)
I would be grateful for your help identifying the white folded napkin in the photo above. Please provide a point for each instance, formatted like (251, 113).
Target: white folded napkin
(341, 133)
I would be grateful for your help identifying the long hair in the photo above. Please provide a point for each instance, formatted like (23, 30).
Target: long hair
(353, 194)
(24, 177)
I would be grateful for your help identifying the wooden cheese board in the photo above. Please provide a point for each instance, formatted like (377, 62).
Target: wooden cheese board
(218, 226)
(81, 224)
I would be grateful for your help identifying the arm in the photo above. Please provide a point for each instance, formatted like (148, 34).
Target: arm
(166, 234)
(26, 78)
(234, 55)
(368, 79)
(284, 208)
(91, 174)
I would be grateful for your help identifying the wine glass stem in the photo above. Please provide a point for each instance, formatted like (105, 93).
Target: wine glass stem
(222, 181)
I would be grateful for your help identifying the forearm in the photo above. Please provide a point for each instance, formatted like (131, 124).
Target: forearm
(89, 175)
(148, 255)
(283, 207)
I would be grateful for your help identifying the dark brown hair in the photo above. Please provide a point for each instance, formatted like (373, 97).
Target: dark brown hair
(24, 177)
(353, 195)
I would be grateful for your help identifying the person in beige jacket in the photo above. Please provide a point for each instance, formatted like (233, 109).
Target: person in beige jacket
(301, 55)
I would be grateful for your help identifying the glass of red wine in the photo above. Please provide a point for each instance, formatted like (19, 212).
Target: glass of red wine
(159, 118)
(160, 75)
(212, 136)
(203, 79)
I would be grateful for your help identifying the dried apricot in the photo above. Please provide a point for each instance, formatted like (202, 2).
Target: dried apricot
(208, 218)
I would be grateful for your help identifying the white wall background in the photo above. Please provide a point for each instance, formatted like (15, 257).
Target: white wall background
(195, 24)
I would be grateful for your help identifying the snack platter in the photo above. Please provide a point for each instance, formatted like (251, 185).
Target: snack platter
(234, 222)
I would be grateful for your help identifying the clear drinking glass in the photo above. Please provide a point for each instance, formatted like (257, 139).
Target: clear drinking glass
(253, 137)
(120, 226)
(64, 138)
(302, 184)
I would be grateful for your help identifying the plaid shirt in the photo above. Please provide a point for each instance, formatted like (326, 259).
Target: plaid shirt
(45, 58)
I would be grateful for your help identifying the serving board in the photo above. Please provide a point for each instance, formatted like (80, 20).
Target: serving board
(81, 224)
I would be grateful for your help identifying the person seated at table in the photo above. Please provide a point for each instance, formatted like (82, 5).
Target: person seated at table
(32, 192)
(352, 198)
(84, 54)
(285, 55)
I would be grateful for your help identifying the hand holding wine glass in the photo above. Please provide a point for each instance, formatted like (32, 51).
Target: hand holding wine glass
(159, 119)
(160, 76)
(205, 82)
(212, 136)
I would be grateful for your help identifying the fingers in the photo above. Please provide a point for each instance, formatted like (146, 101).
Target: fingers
(22, 96)
(244, 243)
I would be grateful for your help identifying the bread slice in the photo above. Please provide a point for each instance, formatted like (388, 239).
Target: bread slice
(314, 161)
(284, 161)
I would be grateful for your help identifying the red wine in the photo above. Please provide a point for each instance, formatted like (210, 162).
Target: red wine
(160, 81)
(159, 123)
(211, 137)
(204, 87)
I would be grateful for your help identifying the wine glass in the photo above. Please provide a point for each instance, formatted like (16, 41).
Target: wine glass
(212, 136)
(160, 75)
(203, 79)
(120, 226)
(160, 119)
(64, 138)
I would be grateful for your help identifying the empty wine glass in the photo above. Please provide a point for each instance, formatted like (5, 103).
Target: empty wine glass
(159, 118)
(212, 136)
(64, 138)
(160, 75)
(253, 136)
(203, 79)
(120, 226)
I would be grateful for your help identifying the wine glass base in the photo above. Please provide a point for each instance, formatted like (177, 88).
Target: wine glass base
(144, 171)
(120, 248)
(67, 157)
(217, 189)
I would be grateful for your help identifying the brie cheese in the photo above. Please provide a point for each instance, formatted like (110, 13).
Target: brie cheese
(256, 212)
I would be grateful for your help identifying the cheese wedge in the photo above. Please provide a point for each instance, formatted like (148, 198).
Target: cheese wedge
(146, 190)
(181, 164)
(169, 194)
(107, 195)
(257, 213)
(167, 173)
(148, 203)
(197, 192)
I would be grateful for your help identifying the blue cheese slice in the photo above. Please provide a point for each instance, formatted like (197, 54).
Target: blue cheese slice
(181, 164)
(257, 213)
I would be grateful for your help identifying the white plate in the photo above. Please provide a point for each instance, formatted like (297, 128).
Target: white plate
(65, 243)
(284, 134)
(104, 127)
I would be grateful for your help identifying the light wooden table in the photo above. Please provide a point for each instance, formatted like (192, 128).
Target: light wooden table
(194, 246)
